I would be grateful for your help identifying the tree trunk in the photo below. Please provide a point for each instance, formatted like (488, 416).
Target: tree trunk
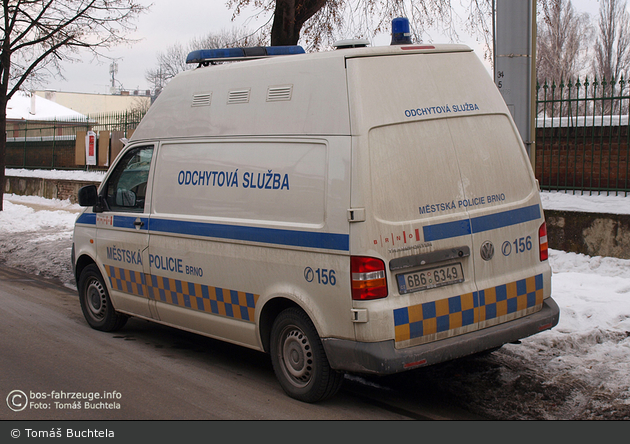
(3, 145)
(289, 17)
(5, 66)
(283, 30)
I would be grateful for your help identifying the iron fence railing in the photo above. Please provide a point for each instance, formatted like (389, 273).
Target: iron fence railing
(583, 137)
(51, 144)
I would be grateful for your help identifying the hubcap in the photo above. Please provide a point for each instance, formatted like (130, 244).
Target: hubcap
(96, 299)
(297, 356)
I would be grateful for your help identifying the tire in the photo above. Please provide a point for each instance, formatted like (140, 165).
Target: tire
(299, 360)
(95, 302)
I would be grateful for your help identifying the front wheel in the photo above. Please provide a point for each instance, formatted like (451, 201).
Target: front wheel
(95, 302)
(299, 360)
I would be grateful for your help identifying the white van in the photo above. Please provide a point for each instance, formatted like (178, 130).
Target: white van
(364, 210)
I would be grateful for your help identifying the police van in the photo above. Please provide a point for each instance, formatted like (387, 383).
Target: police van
(362, 210)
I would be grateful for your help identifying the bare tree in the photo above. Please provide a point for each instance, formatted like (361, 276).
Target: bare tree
(562, 41)
(173, 61)
(319, 22)
(139, 107)
(37, 34)
(612, 47)
(170, 63)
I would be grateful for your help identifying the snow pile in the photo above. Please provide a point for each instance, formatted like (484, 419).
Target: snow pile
(583, 202)
(92, 176)
(590, 346)
(26, 106)
(36, 235)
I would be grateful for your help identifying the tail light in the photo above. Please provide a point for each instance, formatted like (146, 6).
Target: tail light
(542, 239)
(368, 278)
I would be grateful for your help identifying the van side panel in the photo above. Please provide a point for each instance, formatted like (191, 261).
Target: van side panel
(280, 180)
(238, 223)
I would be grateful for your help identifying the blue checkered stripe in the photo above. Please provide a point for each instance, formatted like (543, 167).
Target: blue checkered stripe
(224, 302)
(485, 306)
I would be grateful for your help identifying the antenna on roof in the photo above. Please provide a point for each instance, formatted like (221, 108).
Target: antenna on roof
(113, 70)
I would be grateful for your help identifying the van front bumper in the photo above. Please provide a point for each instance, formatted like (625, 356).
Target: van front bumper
(382, 358)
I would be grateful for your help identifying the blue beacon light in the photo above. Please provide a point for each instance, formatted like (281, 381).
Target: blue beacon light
(401, 34)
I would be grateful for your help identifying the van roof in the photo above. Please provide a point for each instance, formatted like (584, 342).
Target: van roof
(249, 53)
(303, 94)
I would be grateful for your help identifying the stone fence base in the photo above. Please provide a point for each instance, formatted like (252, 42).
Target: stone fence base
(48, 188)
(594, 234)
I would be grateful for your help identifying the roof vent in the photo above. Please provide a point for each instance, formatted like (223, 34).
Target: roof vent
(238, 96)
(202, 99)
(351, 43)
(279, 93)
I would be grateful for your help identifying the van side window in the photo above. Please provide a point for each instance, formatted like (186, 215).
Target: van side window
(127, 186)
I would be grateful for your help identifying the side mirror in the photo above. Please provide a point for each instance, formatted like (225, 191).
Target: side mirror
(88, 196)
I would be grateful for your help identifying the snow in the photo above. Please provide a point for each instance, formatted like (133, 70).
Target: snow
(585, 203)
(580, 121)
(20, 107)
(578, 370)
(96, 176)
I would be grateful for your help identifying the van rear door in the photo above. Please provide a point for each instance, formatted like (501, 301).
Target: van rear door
(450, 187)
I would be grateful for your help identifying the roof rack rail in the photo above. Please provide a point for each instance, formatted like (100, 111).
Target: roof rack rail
(207, 56)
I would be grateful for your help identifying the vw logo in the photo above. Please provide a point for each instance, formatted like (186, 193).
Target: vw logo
(487, 250)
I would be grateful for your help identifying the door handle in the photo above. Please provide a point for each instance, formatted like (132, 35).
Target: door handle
(138, 223)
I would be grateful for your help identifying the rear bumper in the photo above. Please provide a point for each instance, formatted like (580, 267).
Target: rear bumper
(383, 358)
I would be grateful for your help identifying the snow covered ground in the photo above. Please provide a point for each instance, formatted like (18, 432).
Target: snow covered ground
(91, 175)
(578, 370)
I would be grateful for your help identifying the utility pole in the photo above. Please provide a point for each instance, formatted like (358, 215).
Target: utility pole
(515, 64)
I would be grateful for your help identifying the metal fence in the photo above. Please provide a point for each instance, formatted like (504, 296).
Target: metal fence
(52, 144)
(583, 137)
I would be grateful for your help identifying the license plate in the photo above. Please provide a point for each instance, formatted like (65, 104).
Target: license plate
(430, 278)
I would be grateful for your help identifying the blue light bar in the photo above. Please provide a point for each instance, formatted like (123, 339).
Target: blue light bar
(227, 54)
(284, 50)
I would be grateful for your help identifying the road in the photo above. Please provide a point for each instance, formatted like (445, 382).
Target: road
(152, 372)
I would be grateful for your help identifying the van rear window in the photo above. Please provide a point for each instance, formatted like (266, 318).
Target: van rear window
(426, 168)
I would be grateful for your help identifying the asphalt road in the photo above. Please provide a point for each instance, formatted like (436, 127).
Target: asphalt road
(53, 359)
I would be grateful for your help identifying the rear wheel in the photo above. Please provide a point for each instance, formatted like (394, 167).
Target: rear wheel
(95, 302)
(299, 360)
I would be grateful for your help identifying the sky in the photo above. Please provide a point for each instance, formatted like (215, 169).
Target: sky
(586, 353)
(168, 23)
(165, 24)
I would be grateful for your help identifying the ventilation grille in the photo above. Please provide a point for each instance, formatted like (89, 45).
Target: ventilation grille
(202, 99)
(238, 96)
(279, 93)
